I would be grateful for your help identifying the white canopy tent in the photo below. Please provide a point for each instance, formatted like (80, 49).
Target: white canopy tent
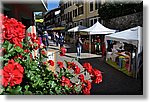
(97, 28)
(77, 28)
(131, 36)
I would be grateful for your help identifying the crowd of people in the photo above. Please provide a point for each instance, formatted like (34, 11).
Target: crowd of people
(55, 37)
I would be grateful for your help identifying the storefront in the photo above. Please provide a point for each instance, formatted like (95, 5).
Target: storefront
(124, 50)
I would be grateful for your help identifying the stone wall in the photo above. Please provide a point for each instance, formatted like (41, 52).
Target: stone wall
(125, 22)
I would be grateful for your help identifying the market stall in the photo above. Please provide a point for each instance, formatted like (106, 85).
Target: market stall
(76, 29)
(96, 36)
(123, 50)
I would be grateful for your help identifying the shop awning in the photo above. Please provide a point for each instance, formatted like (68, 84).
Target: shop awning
(39, 20)
(59, 28)
(56, 28)
(77, 28)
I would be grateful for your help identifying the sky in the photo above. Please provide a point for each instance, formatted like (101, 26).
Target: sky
(53, 4)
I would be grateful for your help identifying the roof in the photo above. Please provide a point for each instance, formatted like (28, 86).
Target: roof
(98, 28)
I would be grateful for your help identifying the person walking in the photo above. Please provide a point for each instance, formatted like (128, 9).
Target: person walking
(45, 39)
(61, 40)
(57, 39)
(79, 46)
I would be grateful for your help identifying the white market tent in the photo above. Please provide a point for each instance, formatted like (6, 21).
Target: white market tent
(98, 28)
(131, 36)
(77, 28)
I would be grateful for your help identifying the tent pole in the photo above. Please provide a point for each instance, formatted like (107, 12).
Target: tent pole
(89, 43)
(74, 37)
(136, 59)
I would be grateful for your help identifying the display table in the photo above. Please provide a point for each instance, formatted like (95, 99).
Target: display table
(120, 61)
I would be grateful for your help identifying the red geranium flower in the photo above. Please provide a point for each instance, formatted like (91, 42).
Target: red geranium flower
(81, 77)
(86, 91)
(65, 81)
(97, 76)
(44, 63)
(77, 70)
(88, 67)
(63, 51)
(68, 65)
(13, 31)
(31, 56)
(86, 87)
(43, 52)
(26, 50)
(60, 64)
(12, 73)
(51, 62)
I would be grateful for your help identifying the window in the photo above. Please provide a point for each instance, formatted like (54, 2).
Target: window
(81, 22)
(76, 1)
(91, 6)
(99, 20)
(80, 2)
(80, 10)
(75, 12)
(91, 22)
(96, 5)
(75, 24)
(70, 16)
(95, 20)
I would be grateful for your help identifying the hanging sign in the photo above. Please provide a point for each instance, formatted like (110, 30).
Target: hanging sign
(52, 56)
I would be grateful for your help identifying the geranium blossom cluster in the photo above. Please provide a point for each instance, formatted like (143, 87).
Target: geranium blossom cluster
(34, 41)
(63, 51)
(12, 73)
(12, 30)
(85, 84)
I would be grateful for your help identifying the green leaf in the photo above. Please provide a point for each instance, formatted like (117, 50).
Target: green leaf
(58, 90)
(1, 90)
(77, 88)
(9, 46)
(8, 88)
(26, 87)
(16, 91)
(11, 50)
(18, 49)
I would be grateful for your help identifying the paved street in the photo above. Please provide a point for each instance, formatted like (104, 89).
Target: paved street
(114, 81)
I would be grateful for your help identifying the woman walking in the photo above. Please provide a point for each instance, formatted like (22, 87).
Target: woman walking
(79, 46)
